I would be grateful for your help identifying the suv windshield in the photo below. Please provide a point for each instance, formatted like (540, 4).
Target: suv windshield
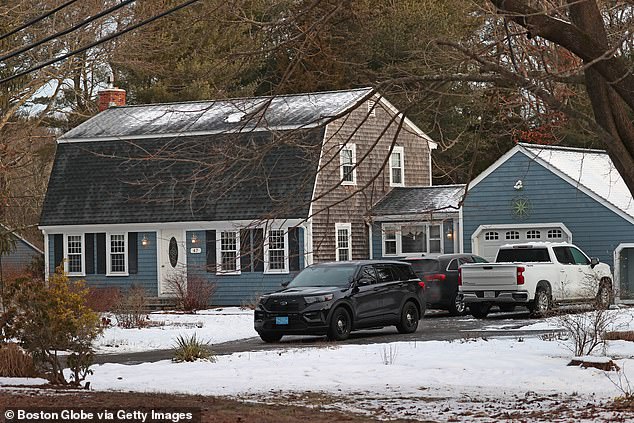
(325, 276)
(514, 255)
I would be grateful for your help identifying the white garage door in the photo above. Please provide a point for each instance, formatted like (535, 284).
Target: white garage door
(488, 239)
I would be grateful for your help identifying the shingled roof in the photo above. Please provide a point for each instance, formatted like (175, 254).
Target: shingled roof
(419, 200)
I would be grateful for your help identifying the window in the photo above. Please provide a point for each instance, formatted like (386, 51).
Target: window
(384, 273)
(533, 234)
(555, 234)
(228, 256)
(396, 167)
(434, 239)
(578, 257)
(348, 159)
(453, 265)
(117, 257)
(491, 236)
(344, 241)
(367, 276)
(389, 242)
(512, 235)
(75, 254)
(413, 239)
(276, 251)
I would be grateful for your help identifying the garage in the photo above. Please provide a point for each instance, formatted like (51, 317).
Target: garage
(488, 238)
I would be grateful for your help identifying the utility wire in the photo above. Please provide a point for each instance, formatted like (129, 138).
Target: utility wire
(100, 41)
(66, 31)
(36, 20)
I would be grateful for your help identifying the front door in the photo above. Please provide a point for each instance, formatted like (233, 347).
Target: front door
(172, 261)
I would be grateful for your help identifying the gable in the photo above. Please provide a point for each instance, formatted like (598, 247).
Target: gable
(198, 178)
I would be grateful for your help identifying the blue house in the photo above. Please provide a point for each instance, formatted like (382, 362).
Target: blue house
(241, 192)
(21, 255)
(416, 221)
(547, 193)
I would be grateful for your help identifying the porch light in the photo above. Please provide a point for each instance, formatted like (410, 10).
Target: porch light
(449, 235)
(145, 242)
(194, 239)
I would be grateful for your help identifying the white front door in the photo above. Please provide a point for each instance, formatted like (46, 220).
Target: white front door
(172, 259)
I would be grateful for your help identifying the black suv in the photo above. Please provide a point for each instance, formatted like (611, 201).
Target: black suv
(440, 274)
(335, 298)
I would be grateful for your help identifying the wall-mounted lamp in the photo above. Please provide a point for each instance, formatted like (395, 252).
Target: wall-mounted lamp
(519, 185)
(194, 239)
(145, 242)
(449, 235)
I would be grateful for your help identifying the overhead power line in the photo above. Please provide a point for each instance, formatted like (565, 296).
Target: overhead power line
(98, 42)
(37, 19)
(66, 31)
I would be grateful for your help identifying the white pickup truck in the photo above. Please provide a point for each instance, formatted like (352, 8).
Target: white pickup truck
(537, 275)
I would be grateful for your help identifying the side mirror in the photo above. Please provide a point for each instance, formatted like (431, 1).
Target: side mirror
(285, 284)
(593, 262)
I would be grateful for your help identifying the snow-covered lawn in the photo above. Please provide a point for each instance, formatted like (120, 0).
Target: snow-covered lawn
(214, 326)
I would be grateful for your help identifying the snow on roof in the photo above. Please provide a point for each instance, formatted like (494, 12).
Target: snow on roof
(221, 116)
(589, 169)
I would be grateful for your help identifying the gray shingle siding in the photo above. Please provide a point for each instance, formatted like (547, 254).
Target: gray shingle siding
(20, 257)
(595, 228)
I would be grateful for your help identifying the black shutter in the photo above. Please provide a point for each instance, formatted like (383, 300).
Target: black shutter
(258, 250)
(246, 250)
(133, 253)
(210, 244)
(293, 249)
(90, 253)
(58, 249)
(101, 253)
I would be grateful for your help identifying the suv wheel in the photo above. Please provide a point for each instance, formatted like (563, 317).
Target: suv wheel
(270, 336)
(340, 325)
(479, 310)
(409, 318)
(456, 306)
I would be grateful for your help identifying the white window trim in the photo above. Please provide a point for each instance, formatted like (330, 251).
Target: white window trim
(401, 151)
(267, 269)
(353, 148)
(348, 227)
(83, 254)
(109, 271)
(397, 228)
(219, 270)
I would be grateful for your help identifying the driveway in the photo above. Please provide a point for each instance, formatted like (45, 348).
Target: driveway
(436, 326)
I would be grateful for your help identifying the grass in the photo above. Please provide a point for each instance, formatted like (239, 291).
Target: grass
(192, 349)
(15, 362)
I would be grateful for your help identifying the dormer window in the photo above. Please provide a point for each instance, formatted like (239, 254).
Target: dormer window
(397, 177)
(348, 160)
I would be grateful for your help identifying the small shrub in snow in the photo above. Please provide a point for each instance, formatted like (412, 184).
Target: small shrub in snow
(586, 331)
(15, 362)
(622, 383)
(192, 349)
(191, 293)
(103, 299)
(131, 310)
(388, 355)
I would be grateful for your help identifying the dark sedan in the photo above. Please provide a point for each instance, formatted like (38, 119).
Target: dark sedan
(440, 274)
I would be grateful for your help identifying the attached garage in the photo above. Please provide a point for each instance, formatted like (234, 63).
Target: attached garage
(488, 238)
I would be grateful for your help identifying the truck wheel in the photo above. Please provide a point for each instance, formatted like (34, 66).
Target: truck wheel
(604, 296)
(456, 306)
(409, 318)
(507, 307)
(542, 303)
(479, 310)
(340, 325)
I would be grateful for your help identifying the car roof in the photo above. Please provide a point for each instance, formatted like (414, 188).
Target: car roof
(439, 257)
(357, 263)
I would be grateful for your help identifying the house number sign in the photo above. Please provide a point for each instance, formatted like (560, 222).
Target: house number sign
(196, 250)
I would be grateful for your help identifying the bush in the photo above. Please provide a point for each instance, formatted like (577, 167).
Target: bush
(15, 362)
(192, 349)
(50, 317)
(103, 299)
(193, 293)
(131, 311)
(586, 330)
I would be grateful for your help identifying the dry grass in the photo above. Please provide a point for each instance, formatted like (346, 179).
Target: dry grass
(15, 362)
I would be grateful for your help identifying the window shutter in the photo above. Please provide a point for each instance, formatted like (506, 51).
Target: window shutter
(58, 249)
(246, 250)
(210, 244)
(293, 248)
(258, 250)
(133, 253)
(101, 253)
(90, 253)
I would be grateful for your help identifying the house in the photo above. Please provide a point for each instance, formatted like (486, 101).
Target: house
(548, 193)
(415, 221)
(241, 192)
(21, 254)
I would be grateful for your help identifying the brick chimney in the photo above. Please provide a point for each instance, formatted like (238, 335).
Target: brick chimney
(111, 96)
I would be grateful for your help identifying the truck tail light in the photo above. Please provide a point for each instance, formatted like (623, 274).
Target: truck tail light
(459, 277)
(421, 284)
(435, 277)
(520, 275)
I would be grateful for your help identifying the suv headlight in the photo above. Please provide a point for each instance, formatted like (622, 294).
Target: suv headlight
(318, 299)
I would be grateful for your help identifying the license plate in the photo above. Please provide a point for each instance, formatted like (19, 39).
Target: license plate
(281, 320)
(489, 294)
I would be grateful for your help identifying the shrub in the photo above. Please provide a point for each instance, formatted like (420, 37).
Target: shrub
(586, 331)
(193, 293)
(131, 310)
(50, 317)
(15, 362)
(191, 349)
(103, 299)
